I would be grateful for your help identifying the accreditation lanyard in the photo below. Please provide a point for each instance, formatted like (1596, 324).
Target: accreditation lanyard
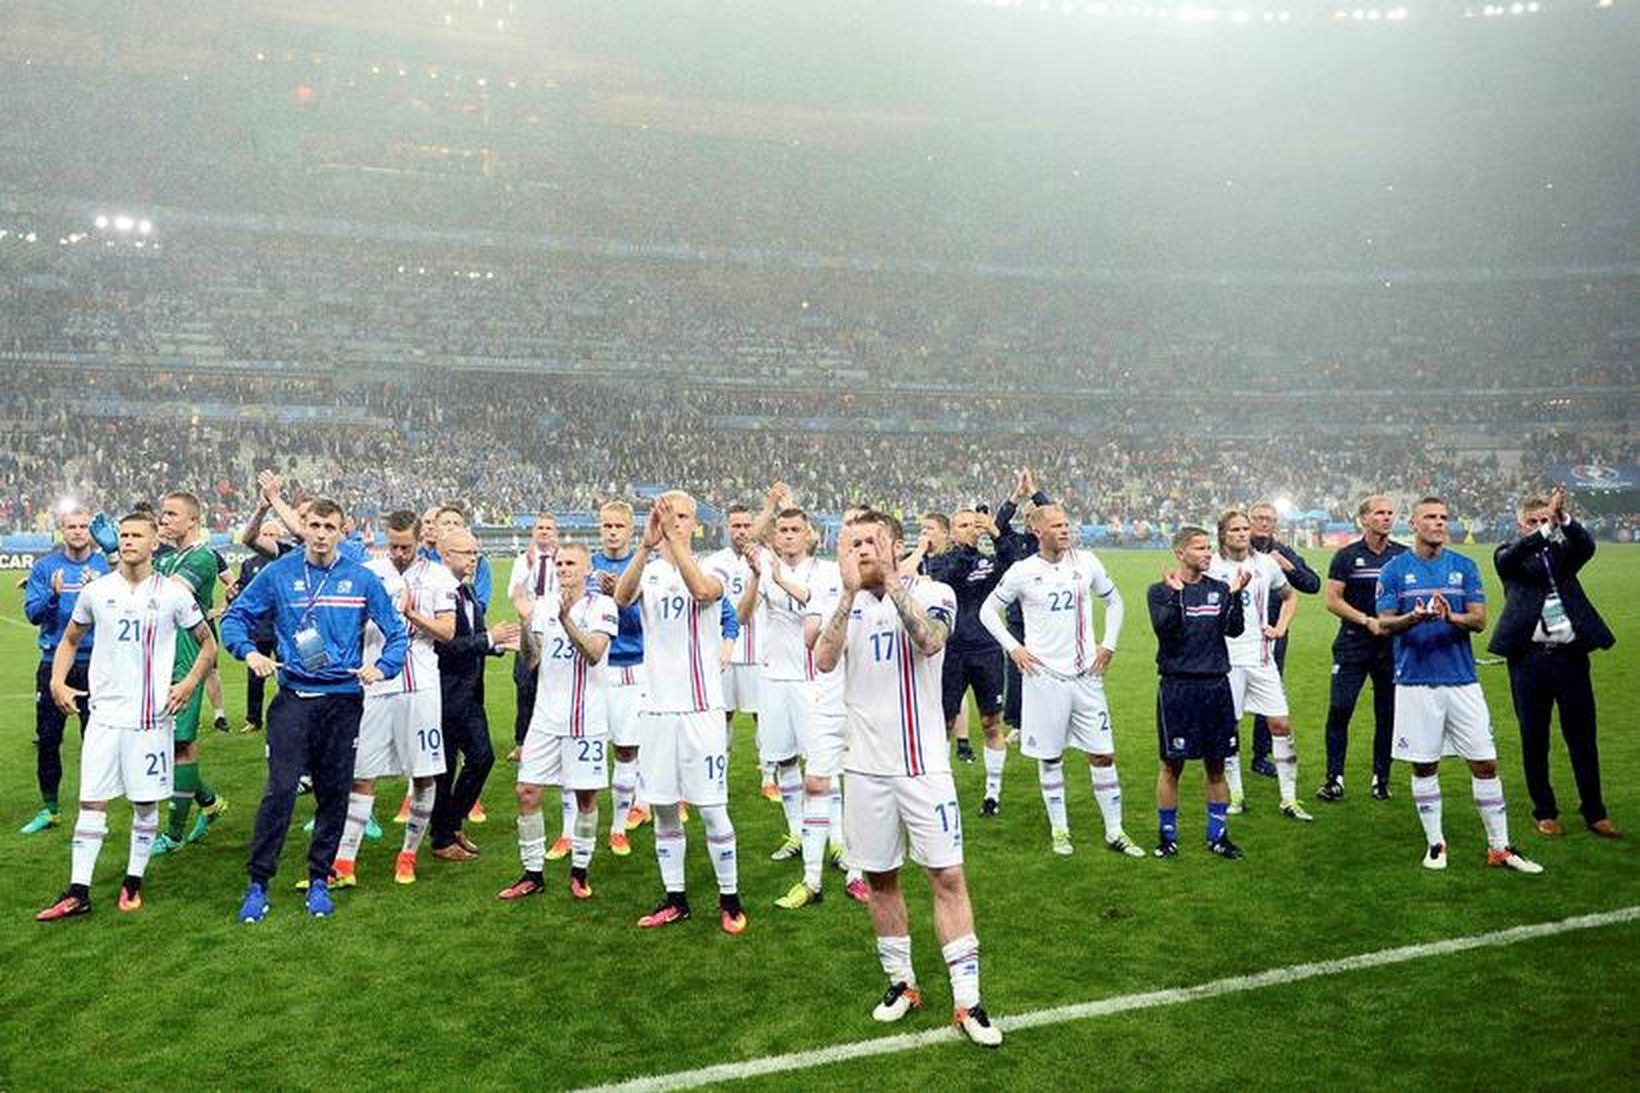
(313, 593)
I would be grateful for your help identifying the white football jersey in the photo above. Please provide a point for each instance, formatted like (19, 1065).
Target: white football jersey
(786, 656)
(430, 589)
(570, 694)
(536, 575)
(735, 575)
(1252, 649)
(825, 592)
(135, 646)
(891, 691)
(680, 639)
(1058, 608)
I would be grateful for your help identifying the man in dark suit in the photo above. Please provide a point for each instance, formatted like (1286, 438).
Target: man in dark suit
(461, 663)
(1546, 632)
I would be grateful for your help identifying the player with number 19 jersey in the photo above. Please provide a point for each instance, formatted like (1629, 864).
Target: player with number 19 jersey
(891, 689)
(681, 639)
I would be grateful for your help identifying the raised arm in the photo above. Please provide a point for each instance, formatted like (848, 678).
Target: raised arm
(592, 645)
(927, 632)
(747, 604)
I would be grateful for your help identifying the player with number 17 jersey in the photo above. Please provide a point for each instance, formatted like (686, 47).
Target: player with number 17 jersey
(891, 690)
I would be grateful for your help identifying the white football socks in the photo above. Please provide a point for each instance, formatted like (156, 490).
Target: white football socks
(1426, 794)
(144, 826)
(1051, 773)
(532, 841)
(816, 832)
(962, 961)
(584, 834)
(1107, 790)
(720, 843)
(894, 953)
(790, 780)
(358, 814)
(1286, 759)
(421, 814)
(670, 846)
(1488, 794)
(623, 791)
(995, 760)
(90, 829)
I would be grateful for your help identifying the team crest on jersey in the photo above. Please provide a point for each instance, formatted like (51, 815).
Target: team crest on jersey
(1213, 598)
(1359, 562)
(298, 585)
(1454, 578)
(1410, 578)
(344, 586)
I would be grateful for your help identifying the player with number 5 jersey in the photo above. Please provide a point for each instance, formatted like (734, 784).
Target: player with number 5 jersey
(888, 634)
(683, 751)
(128, 748)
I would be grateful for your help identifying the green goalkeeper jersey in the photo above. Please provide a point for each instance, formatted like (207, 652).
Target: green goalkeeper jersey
(195, 566)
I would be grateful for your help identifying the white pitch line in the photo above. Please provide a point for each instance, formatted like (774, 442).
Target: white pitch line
(1104, 1007)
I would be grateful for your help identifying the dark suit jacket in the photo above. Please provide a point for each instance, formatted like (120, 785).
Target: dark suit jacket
(1525, 565)
(461, 659)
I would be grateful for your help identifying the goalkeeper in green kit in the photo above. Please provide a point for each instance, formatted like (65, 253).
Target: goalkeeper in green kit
(192, 562)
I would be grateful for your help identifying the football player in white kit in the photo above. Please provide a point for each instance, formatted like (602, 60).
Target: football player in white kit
(399, 731)
(745, 660)
(684, 754)
(568, 740)
(824, 746)
(779, 580)
(128, 741)
(1255, 680)
(1062, 668)
(887, 635)
(535, 577)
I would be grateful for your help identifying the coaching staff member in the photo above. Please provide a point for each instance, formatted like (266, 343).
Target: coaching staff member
(461, 663)
(319, 602)
(1546, 632)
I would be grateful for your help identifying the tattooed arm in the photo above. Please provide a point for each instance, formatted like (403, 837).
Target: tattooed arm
(926, 632)
(828, 647)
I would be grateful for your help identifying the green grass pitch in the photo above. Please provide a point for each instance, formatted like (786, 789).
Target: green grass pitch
(440, 986)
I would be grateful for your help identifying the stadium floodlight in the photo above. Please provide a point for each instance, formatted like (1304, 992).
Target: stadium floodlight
(101, 222)
(66, 505)
(123, 223)
(1284, 507)
(145, 227)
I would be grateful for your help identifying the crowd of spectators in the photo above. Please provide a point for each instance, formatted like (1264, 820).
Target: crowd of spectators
(395, 374)
(511, 443)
